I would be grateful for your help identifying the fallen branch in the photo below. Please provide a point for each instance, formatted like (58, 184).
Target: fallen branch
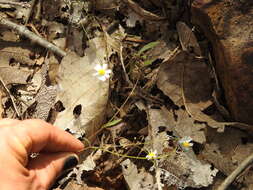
(22, 30)
(247, 162)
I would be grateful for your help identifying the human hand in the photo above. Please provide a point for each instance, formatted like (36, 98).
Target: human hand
(18, 139)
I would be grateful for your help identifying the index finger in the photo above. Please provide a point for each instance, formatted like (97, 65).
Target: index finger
(48, 138)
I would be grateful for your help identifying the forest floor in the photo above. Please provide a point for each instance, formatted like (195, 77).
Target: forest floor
(135, 81)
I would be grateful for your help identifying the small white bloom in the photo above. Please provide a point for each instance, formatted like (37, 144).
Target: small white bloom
(102, 72)
(152, 155)
(185, 142)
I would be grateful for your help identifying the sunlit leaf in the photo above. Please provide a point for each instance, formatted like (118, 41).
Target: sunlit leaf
(111, 123)
(147, 47)
(148, 62)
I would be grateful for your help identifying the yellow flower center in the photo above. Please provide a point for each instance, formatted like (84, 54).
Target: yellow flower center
(186, 144)
(151, 154)
(101, 72)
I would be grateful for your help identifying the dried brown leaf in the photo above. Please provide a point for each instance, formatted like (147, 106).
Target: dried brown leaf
(14, 75)
(45, 98)
(169, 78)
(15, 52)
(105, 4)
(187, 39)
(227, 150)
(137, 179)
(197, 89)
(79, 88)
(74, 186)
(142, 12)
(186, 171)
(187, 82)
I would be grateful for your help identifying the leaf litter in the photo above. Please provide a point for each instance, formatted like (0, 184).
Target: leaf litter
(161, 90)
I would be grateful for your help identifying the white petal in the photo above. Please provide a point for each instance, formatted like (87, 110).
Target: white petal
(188, 139)
(95, 74)
(107, 76)
(108, 71)
(104, 66)
(98, 67)
(102, 78)
(185, 139)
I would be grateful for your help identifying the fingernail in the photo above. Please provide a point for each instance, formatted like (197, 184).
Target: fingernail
(70, 162)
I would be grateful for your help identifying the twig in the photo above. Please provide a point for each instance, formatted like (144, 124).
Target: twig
(12, 100)
(247, 162)
(21, 4)
(30, 11)
(22, 30)
(123, 66)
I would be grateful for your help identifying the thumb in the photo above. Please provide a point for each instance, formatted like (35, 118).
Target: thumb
(47, 167)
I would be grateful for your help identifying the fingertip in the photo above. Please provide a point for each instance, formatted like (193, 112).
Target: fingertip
(49, 166)
(48, 138)
(7, 121)
(79, 145)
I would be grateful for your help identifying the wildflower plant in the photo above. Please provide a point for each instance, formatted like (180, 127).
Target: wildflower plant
(152, 155)
(186, 143)
(102, 72)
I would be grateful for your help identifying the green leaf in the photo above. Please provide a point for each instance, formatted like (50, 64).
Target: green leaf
(147, 47)
(111, 123)
(148, 62)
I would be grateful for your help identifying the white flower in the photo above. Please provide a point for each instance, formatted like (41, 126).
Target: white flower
(185, 142)
(152, 155)
(102, 72)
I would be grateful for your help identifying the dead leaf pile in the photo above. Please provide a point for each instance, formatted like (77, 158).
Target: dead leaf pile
(163, 88)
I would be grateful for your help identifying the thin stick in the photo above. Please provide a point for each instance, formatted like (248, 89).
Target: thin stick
(123, 66)
(30, 11)
(12, 3)
(247, 162)
(22, 30)
(9, 93)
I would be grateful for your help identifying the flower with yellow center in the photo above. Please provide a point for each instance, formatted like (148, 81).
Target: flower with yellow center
(152, 155)
(102, 72)
(185, 143)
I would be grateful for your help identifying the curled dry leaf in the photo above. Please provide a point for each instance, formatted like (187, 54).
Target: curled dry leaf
(83, 96)
(105, 4)
(187, 39)
(142, 12)
(133, 18)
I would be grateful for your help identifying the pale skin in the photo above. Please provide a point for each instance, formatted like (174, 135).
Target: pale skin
(18, 139)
